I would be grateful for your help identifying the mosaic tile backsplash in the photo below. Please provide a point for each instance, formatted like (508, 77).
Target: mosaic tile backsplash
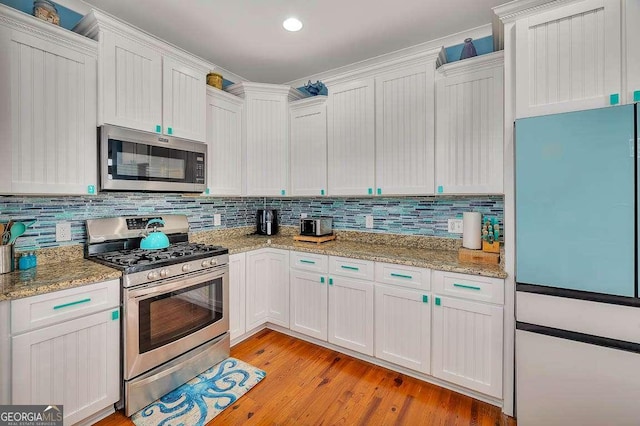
(399, 215)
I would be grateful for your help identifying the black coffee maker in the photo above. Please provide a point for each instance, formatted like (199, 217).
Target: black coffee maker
(267, 222)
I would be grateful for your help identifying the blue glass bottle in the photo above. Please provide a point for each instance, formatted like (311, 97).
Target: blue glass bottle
(468, 50)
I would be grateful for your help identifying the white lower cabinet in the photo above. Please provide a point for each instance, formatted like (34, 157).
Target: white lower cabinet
(403, 327)
(467, 344)
(351, 314)
(74, 361)
(309, 297)
(267, 288)
(237, 280)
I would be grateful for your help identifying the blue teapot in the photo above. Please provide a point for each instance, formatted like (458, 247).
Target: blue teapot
(156, 239)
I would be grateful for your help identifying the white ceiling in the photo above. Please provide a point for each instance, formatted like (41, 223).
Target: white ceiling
(246, 36)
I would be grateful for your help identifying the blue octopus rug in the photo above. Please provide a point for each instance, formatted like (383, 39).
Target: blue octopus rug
(202, 398)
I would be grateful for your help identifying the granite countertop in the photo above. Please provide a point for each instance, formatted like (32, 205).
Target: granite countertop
(54, 276)
(65, 267)
(439, 256)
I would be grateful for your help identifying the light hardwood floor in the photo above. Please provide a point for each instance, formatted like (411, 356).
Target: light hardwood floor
(310, 385)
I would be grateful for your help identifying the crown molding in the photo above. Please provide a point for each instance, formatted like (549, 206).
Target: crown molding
(413, 55)
(307, 102)
(21, 21)
(517, 9)
(244, 88)
(221, 94)
(96, 21)
(477, 63)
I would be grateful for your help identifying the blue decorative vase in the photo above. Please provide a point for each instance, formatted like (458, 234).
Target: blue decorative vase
(317, 88)
(468, 50)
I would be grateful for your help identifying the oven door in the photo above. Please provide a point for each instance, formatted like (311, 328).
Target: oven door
(163, 321)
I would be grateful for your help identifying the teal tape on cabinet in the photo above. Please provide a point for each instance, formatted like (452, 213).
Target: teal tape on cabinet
(158, 128)
(115, 315)
(437, 301)
(425, 299)
(614, 99)
(77, 302)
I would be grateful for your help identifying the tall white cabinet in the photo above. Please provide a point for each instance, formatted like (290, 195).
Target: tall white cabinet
(266, 136)
(144, 83)
(47, 108)
(308, 132)
(469, 138)
(404, 142)
(351, 164)
(224, 143)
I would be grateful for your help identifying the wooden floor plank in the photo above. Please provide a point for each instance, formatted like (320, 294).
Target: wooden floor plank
(310, 385)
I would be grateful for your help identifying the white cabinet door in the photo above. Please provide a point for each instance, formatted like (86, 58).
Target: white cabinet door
(351, 314)
(224, 141)
(237, 280)
(257, 289)
(308, 123)
(48, 115)
(467, 344)
(75, 363)
(351, 161)
(267, 143)
(309, 303)
(184, 92)
(632, 17)
(278, 283)
(469, 140)
(403, 327)
(131, 92)
(405, 131)
(568, 58)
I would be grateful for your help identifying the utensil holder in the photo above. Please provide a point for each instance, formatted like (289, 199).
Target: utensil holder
(493, 247)
(7, 259)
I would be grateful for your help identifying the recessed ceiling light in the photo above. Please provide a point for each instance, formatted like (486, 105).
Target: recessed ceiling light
(292, 24)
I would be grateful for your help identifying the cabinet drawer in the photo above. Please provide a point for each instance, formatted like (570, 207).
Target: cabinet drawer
(354, 268)
(405, 276)
(309, 262)
(38, 311)
(469, 286)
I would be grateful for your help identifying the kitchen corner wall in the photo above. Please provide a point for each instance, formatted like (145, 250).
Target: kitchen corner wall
(398, 215)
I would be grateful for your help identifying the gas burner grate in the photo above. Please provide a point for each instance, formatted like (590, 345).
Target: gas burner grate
(177, 252)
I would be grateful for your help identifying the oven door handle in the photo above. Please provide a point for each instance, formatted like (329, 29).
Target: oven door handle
(178, 283)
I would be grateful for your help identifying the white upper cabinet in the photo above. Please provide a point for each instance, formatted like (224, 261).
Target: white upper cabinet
(632, 20)
(405, 131)
(469, 138)
(308, 132)
(351, 138)
(568, 58)
(224, 141)
(47, 108)
(184, 91)
(145, 83)
(131, 77)
(266, 122)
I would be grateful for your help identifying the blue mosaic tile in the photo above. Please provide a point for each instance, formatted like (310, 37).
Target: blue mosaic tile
(399, 215)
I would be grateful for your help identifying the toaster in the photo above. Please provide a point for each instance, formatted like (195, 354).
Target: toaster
(316, 226)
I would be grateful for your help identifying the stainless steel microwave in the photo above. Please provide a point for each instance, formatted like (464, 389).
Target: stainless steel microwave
(131, 160)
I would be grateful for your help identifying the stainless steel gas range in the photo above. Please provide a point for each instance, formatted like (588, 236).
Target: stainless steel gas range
(175, 304)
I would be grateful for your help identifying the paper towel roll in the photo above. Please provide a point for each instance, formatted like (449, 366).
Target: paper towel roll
(472, 225)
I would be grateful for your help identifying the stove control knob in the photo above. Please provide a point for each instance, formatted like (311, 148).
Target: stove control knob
(153, 275)
(164, 273)
(186, 268)
(205, 263)
(213, 262)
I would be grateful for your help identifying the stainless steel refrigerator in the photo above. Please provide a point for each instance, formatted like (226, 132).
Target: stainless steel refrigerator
(577, 306)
